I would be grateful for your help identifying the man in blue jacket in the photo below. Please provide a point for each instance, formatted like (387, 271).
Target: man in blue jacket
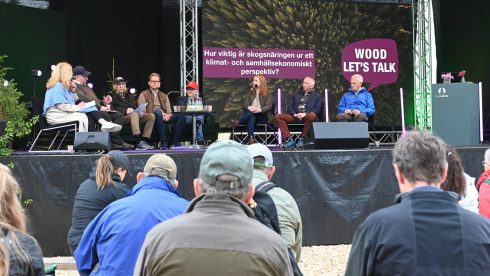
(304, 107)
(112, 241)
(356, 105)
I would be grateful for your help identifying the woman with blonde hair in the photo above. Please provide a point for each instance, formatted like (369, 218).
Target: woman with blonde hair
(103, 186)
(257, 107)
(20, 249)
(59, 102)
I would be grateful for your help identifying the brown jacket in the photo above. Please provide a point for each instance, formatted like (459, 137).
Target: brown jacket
(266, 103)
(147, 97)
(87, 94)
(217, 236)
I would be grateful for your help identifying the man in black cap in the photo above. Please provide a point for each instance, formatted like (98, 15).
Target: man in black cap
(125, 103)
(87, 94)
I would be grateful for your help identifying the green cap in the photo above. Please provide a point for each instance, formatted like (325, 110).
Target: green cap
(226, 157)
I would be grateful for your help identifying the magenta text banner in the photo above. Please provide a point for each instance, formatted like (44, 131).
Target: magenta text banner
(375, 59)
(246, 63)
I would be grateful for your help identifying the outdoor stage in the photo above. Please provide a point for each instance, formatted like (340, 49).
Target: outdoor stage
(335, 189)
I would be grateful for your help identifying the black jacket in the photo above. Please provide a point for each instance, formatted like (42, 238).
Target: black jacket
(89, 201)
(427, 233)
(16, 264)
(122, 103)
(313, 103)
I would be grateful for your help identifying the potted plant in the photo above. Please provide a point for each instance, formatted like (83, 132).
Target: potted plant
(14, 115)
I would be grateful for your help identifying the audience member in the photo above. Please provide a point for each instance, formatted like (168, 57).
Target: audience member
(459, 182)
(357, 103)
(304, 107)
(158, 104)
(217, 235)
(257, 108)
(192, 90)
(287, 210)
(483, 186)
(103, 186)
(125, 103)
(23, 255)
(426, 232)
(111, 242)
(59, 105)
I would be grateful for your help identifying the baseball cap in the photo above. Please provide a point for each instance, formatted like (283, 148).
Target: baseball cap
(119, 159)
(226, 157)
(119, 80)
(192, 84)
(80, 70)
(487, 157)
(258, 149)
(162, 161)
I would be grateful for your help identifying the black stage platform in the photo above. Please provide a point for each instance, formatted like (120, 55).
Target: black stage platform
(335, 190)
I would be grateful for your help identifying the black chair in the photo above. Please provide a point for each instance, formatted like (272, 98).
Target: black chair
(55, 134)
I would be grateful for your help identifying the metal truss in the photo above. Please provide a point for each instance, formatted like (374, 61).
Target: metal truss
(421, 15)
(189, 40)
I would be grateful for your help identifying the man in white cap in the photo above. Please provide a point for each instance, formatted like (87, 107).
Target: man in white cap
(217, 235)
(287, 209)
(113, 239)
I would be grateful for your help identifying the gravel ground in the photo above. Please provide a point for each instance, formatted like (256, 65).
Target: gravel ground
(315, 261)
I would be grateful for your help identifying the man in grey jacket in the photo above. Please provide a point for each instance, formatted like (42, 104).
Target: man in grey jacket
(217, 235)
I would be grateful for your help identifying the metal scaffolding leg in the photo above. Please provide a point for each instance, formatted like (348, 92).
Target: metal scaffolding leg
(189, 39)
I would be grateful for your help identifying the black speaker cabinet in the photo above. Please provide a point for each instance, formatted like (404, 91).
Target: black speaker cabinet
(339, 135)
(92, 141)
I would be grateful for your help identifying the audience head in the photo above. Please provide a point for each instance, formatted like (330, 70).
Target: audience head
(356, 82)
(11, 212)
(260, 83)
(12, 218)
(486, 160)
(81, 74)
(226, 168)
(62, 73)
(154, 81)
(308, 84)
(262, 158)
(115, 162)
(161, 165)
(119, 85)
(192, 89)
(455, 180)
(419, 158)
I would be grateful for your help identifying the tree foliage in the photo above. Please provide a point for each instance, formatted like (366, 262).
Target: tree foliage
(12, 111)
(326, 27)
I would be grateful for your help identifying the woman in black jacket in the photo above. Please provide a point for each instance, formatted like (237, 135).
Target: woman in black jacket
(103, 186)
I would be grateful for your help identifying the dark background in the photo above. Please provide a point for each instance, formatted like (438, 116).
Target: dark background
(143, 37)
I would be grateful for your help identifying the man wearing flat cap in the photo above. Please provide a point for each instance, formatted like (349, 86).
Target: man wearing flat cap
(113, 239)
(125, 103)
(217, 235)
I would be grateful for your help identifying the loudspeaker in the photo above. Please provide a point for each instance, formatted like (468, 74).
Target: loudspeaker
(339, 135)
(92, 141)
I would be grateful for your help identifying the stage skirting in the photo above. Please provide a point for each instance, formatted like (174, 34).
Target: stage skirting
(335, 190)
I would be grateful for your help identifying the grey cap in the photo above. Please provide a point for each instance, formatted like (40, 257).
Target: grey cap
(258, 149)
(226, 157)
(119, 80)
(119, 159)
(162, 161)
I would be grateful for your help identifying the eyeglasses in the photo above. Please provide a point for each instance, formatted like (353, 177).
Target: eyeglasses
(154, 81)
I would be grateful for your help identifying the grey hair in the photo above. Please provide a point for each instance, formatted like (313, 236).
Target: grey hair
(240, 192)
(420, 156)
(487, 157)
(358, 77)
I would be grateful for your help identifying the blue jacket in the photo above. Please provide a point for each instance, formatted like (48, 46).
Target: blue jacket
(313, 104)
(114, 238)
(363, 102)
